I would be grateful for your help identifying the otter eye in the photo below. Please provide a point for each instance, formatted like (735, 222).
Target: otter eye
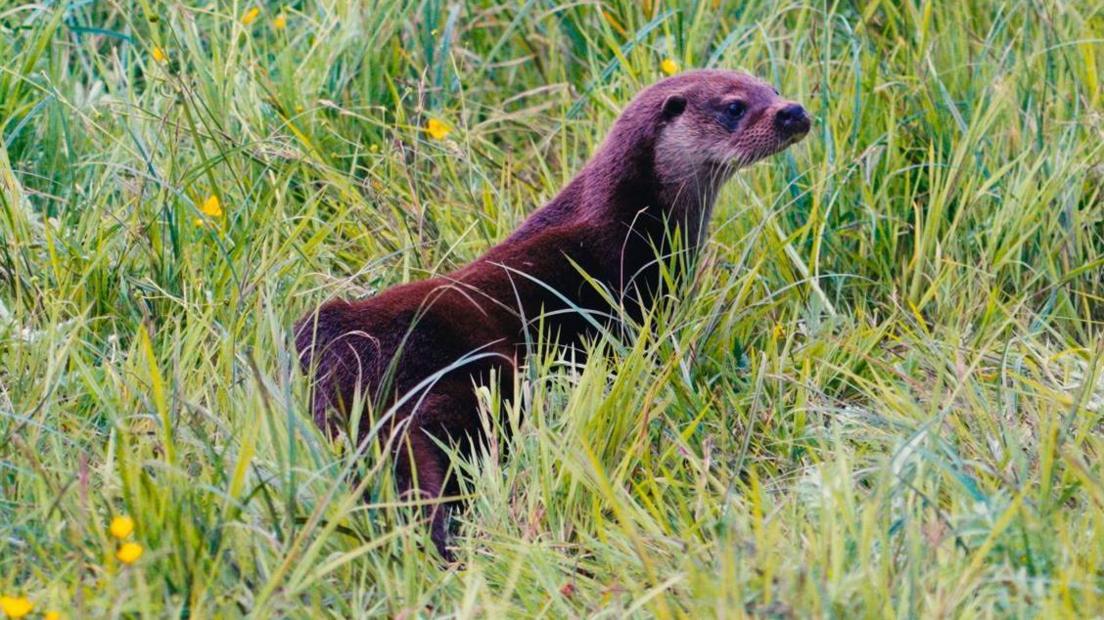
(736, 109)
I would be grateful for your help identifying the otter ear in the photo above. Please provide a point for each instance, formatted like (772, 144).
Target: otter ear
(673, 106)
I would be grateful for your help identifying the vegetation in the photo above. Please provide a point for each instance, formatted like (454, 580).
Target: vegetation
(880, 394)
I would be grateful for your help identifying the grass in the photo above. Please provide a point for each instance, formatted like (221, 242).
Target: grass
(880, 394)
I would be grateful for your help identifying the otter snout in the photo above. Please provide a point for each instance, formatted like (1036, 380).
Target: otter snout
(792, 120)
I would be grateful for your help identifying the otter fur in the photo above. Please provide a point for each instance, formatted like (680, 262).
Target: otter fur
(416, 349)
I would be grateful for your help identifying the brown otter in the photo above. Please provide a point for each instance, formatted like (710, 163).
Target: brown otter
(415, 349)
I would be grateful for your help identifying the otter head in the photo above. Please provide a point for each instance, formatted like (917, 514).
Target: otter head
(715, 122)
(706, 125)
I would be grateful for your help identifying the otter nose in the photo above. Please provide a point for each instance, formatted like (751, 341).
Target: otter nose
(791, 120)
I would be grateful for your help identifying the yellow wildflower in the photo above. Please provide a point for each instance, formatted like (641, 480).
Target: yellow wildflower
(778, 330)
(129, 553)
(159, 54)
(669, 66)
(51, 615)
(121, 526)
(437, 129)
(211, 207)
(15, 606)
(250, 16)
(279, 22)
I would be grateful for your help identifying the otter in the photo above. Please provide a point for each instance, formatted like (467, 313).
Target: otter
(415, 350)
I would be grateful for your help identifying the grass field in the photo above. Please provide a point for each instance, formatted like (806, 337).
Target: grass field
(881, 394)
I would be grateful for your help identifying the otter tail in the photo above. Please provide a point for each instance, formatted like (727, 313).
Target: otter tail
(332, 350)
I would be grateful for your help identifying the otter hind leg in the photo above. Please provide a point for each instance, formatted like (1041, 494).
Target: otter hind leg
(421, 470)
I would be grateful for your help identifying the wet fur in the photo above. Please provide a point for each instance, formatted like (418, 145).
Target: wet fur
(660, 167)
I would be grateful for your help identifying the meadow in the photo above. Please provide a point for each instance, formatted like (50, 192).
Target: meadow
(879, 393)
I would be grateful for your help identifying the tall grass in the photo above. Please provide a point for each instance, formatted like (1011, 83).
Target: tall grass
(880, 394)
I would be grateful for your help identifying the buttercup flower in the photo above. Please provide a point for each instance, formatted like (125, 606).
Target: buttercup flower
(669, 66)
(129, 553)
(211, 207)
(279, 22)
(159, 54)
(121, 526)
(15, 606)
(437, 129)
(51, 615)
(250, 16)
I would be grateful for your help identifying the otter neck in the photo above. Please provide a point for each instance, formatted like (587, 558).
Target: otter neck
(625, 178)
(689, 201)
